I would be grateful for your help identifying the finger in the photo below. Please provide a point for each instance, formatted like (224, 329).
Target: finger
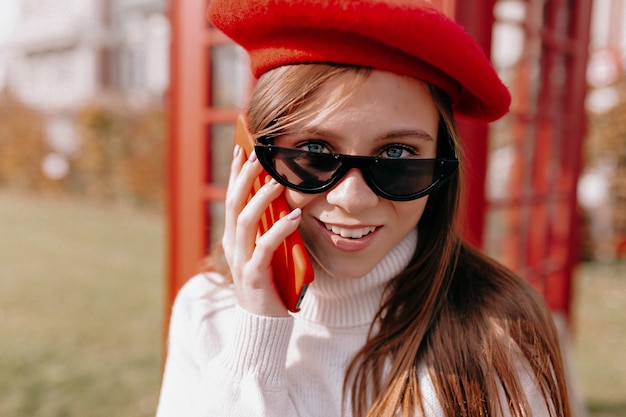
(235, 167)
(247, 222)
(266, 245)
(269, 242)
(242, 176)
(236, 164)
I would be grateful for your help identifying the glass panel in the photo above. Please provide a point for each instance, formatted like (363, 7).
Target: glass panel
(230, 76)
(216, 215)
(502, 235)
(221, 151)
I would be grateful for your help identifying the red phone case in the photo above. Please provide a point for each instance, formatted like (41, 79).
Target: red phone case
(291, 265)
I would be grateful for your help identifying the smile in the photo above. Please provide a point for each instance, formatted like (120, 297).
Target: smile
(355, 233)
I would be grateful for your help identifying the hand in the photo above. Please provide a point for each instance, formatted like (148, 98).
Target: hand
(249, 255)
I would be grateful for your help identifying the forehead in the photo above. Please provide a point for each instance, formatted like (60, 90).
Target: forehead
(380, 99)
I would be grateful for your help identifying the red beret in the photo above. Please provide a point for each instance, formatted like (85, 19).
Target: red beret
(407, 37)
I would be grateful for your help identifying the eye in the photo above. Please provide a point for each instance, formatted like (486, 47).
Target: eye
(398, 151)
(315, 147)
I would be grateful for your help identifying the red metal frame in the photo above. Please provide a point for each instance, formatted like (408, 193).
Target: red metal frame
(191, 117)
(538, 218)
(478, 21)
(186, 146)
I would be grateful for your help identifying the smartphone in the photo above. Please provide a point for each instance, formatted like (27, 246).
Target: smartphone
(291, 265)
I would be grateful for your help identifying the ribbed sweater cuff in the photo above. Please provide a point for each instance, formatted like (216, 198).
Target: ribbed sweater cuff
(259, 348)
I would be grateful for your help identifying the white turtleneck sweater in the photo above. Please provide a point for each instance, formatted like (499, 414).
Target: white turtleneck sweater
(223, 361)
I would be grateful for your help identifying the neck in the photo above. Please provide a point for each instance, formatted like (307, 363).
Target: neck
(341, 302)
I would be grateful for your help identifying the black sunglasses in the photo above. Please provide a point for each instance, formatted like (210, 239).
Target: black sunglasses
(393, 179)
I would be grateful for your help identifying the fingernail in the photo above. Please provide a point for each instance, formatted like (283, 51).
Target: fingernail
(295, 213)
(252, 157)
(236, 151)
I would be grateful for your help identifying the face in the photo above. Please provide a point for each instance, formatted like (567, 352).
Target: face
(349, 229)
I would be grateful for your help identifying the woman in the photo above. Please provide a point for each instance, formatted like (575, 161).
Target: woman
(403, 317)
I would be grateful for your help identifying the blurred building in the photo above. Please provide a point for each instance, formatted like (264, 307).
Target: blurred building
(65, 52)
(62, 54)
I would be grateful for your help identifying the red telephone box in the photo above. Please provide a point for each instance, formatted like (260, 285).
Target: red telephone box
(527, 219)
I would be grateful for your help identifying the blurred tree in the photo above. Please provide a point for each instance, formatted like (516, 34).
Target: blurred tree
(22, 147)
(606, 147)
(121, 156)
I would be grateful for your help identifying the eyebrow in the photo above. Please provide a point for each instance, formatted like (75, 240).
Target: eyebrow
(414, 133)
(395, 134)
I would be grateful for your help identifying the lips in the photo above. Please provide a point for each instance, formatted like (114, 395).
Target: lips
(351, 233)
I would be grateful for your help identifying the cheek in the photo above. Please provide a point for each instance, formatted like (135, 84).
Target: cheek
(297, 199)
(307, 227)
(410, 212)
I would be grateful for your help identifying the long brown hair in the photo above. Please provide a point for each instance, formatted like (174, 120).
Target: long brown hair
(469, 322)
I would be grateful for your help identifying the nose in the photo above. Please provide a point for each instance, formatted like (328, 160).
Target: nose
(352, 193)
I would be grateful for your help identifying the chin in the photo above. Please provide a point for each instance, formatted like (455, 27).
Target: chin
(345, 270)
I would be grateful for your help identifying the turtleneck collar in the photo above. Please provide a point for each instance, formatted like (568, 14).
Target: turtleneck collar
(338, 302)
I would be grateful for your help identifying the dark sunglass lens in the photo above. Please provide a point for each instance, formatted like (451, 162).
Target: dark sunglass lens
(394, 179)
(303, 169)
(403, 177)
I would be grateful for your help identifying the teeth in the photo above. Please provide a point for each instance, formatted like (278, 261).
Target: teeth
(350, 233)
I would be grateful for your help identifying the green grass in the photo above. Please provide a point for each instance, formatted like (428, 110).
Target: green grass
(80, 309)
(81, 302)
(599, 336)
